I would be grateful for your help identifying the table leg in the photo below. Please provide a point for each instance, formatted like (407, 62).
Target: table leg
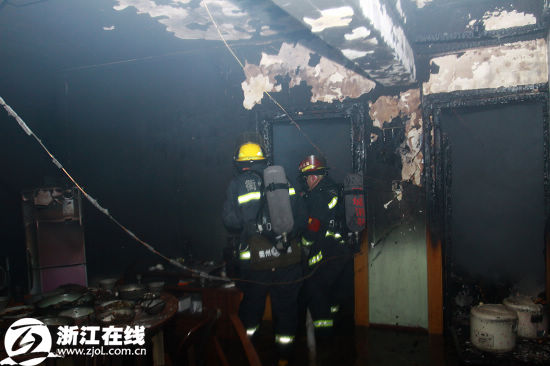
(158, 348)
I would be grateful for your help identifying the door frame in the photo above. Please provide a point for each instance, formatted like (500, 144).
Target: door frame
(436, 176)
(355, 114)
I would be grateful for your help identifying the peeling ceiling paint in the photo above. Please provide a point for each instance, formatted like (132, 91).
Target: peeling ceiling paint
(334, 17)
(266, 31)
(329, 80)
(512, 64)
(255, 86)
(501, 19)
(188, 21)
(357, 33)
(421, 3)
(407, 106)
(369, 32)
(353, 54)
(384, 110)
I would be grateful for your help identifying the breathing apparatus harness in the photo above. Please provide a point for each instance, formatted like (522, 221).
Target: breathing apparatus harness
(263, 219)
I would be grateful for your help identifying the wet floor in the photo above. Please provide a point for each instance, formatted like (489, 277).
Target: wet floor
(367, 346)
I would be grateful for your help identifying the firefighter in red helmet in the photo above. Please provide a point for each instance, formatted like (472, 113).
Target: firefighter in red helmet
(322, 240)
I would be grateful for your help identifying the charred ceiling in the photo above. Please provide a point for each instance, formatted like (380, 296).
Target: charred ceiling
(369, 33)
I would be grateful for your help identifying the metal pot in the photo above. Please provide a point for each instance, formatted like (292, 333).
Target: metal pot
(131, 292)
(108, 283)
(493, 327)
(156, 287)
(113, 305)
(56, 321)
(80, 315)
(116, 316)
(58, 301)
(532, 319)
(17, 312)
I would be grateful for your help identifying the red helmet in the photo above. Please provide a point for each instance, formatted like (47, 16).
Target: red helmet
(313, 165)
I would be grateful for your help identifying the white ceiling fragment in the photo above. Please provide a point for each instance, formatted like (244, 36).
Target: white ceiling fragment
(512, 64)
(502, 19)
(357, 33)
(407, 106)
(334, 17)
(329, 80)
(191, 22)
(353, 54)
(421, 3)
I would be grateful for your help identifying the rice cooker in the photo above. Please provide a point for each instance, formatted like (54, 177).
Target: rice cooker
(493, 327)
(532, 319)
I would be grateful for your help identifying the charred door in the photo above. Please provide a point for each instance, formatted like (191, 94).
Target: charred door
(494, 228)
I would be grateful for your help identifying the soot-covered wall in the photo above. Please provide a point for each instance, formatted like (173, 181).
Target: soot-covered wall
(151, 140)
(155, 146)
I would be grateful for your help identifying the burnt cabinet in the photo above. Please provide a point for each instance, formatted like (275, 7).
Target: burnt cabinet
(54, 238)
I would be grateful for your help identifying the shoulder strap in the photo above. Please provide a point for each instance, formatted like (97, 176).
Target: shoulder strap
(274, 186)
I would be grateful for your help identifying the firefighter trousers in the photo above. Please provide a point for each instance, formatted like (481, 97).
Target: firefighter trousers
(325, 289)
(284, 303)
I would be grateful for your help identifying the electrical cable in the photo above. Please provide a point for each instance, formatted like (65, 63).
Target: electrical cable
(94, 202)
(105, 211)
(15, 5)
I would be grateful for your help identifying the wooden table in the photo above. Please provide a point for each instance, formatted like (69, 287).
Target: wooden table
(154, 326)
(227, 300)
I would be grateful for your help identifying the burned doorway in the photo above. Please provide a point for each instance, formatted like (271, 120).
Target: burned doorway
(339, 135)
(487, 192)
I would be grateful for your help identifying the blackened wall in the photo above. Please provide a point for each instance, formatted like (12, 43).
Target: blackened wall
(497, 190)
(151, 138)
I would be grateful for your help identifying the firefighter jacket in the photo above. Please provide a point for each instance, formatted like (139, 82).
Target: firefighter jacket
(322, 207)
(245, 210)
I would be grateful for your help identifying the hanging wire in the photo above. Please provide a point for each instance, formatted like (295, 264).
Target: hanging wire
(21, 5)
(148, 246)
(292, 121)
(94, 202)
(105, 211)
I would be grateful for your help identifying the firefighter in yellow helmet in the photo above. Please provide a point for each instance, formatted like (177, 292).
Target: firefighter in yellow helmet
(262, 261)
(250, 151)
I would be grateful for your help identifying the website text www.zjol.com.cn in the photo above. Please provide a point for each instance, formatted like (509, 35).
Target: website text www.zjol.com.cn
(100, 351)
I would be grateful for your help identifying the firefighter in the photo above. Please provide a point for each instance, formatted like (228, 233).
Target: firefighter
(264, 258)
(328, 255)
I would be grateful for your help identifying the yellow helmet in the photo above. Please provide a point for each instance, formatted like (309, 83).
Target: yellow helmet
(250, 151)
